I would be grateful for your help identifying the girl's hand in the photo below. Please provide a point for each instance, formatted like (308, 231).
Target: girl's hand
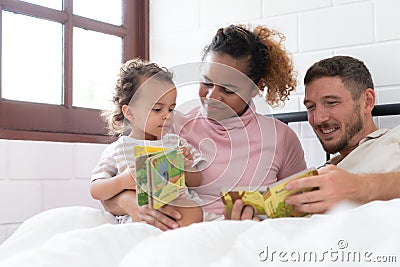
(186, 153)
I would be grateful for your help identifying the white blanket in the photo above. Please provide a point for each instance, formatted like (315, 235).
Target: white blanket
(368, 235)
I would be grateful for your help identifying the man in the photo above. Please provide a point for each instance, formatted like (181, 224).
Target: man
(339, 97)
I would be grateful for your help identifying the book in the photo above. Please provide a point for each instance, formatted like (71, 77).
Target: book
(267, 200)
(160, 175)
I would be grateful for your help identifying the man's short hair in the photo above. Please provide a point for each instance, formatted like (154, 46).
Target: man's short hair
(353, 73)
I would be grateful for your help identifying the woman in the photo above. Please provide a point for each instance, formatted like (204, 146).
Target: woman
(242, 148)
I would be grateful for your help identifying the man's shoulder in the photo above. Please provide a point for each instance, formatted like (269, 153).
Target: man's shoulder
(395, 129)
(384, 132)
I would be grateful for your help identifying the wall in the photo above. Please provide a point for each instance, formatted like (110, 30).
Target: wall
(37, 176)
(314, 29)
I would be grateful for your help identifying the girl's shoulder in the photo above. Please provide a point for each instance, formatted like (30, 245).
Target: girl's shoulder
(122, 143)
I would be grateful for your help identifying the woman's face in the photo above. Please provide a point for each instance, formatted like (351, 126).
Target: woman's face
(225, 89)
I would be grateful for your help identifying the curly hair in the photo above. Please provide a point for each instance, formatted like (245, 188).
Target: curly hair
(267, 59)
(131, 75)
(353, 73)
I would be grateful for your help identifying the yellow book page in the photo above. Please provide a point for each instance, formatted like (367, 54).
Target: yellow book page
(275, 205)
(142, 150)
(169, 193)
(253, 198)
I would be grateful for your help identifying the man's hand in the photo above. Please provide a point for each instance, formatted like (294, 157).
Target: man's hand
(240, 212)
(333, 185)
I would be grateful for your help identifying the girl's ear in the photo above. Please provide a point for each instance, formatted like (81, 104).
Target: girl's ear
(128, 114)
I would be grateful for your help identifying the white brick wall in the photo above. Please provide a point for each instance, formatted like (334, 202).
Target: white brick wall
(276, 8)
(217, 13)
(387, 19)
(336, 27)
(37, 176)
(19, 201)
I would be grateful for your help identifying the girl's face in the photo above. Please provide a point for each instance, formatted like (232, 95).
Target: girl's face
(151, 110)
(225, 90)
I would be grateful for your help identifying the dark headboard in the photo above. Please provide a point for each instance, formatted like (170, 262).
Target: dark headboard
(379, 110)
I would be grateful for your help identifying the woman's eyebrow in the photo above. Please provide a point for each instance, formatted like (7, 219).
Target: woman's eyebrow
(206, 78)
(223, 85)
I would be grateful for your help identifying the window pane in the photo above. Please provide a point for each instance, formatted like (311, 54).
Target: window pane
(31, 59)
(55, 4)
(102, 10)
(96, 61)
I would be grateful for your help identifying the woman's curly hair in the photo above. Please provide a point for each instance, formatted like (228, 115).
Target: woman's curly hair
(267, 59)
(131, 75)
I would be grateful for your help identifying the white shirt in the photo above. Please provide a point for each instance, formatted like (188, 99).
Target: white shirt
(118, 156)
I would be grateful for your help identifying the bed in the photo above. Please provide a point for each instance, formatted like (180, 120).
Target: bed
(348, 235)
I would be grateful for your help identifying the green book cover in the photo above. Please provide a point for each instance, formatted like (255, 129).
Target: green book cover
(160, 175)
(167, 180)
(141, 154)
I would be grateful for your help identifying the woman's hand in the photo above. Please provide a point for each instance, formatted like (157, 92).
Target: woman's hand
(125, 203)
(163, 218)
(240, 212)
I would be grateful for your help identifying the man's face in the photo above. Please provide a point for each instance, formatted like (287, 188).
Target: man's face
(333, 114)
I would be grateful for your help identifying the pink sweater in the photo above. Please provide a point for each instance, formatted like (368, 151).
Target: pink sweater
(249, 150)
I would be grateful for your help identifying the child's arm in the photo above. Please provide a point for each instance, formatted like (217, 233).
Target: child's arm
(103, 189)
(192, 174)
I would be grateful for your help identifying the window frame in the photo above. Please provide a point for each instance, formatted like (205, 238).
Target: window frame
(21, 120)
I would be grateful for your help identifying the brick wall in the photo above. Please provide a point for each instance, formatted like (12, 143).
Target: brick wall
(37, 176)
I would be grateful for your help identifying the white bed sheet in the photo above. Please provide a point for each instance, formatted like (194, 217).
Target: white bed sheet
(81, 236)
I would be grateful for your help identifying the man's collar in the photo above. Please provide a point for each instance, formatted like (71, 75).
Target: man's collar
(374, 135)
(378, 133)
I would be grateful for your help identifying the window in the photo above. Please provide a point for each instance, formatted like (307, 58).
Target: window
(59, 61)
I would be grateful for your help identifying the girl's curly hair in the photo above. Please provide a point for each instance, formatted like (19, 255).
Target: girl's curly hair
(131, 75)
(267, 60)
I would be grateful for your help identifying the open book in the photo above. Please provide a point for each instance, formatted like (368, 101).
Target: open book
(267, 200)
(160, 175)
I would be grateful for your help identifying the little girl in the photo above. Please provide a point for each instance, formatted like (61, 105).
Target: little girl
(144, 99)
